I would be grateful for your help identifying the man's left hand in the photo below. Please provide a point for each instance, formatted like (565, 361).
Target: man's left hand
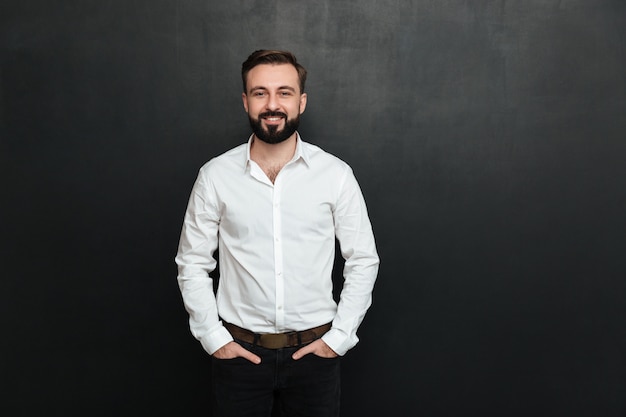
(318, 348)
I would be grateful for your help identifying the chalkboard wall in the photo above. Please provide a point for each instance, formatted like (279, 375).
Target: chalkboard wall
(489, 138)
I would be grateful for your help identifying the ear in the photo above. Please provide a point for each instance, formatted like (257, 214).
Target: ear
(303, 98)
(244, 98)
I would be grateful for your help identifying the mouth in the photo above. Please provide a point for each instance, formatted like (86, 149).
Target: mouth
(273, 118)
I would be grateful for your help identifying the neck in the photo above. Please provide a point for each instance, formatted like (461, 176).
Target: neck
(275, 153)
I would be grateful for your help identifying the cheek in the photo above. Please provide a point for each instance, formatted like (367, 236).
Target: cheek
(252, 109)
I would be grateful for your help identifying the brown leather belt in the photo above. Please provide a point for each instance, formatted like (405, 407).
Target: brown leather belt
(277, 340)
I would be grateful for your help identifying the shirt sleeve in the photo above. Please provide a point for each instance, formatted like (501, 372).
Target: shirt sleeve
(354, 233)
(198, 242)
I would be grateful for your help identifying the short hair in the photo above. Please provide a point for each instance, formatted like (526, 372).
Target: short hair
(272, 57)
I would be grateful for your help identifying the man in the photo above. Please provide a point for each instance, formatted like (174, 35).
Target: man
(273, 208)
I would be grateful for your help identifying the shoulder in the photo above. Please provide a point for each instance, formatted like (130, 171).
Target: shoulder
(222, 168)
(320, 159)
(231, 159)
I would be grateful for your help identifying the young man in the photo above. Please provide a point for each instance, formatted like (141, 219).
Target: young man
(273, 207)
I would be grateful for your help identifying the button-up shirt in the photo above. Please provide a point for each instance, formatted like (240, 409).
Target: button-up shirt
(276, 248)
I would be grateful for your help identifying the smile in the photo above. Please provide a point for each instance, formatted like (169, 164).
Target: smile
(273, 116)
(273, 120)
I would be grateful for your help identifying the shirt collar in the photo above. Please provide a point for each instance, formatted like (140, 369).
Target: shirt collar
(301, 151)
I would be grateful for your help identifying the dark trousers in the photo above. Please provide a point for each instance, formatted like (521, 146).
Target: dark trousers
(308, 387)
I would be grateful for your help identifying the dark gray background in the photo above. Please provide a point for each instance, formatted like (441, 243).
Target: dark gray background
(489, 140)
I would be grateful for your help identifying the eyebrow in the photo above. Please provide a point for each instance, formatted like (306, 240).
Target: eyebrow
(284, 87)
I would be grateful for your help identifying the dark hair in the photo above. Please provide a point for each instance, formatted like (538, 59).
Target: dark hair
(264, 56)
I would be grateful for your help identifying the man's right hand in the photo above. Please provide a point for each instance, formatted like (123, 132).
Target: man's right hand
(233, 350)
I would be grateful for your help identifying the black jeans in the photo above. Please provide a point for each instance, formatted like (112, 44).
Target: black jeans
(308, 387)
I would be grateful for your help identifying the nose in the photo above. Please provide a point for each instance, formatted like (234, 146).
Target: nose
(272, 102)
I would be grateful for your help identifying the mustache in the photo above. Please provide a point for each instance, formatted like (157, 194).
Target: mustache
(272, 114)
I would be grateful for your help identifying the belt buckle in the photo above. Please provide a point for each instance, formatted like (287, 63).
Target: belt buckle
(274, 341)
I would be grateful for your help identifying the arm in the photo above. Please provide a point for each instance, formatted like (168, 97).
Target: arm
(198, 242)
(354, 233)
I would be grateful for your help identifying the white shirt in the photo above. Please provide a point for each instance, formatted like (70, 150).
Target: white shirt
(276, 248)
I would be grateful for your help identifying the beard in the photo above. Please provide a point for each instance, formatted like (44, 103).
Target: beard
(272, 135)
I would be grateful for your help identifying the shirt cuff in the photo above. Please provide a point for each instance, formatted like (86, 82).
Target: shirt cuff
(338, 341)
(216, 340)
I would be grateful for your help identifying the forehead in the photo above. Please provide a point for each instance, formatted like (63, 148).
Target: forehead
(270, 76)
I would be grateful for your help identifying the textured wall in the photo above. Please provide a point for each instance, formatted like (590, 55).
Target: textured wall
(488, 138)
